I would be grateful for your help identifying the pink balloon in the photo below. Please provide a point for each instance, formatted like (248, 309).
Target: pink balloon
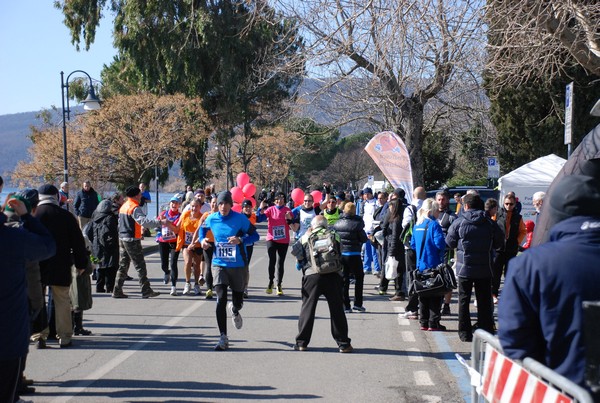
(249, 190)
(242, 179)
(237, 195)
(317, 196)
(253, 201)
(237, 207)
(297, 196)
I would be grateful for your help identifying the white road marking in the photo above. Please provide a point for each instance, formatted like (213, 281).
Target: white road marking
(422, 378)
(408, 336)
(416, 357)
(431, 399)
(119, 359)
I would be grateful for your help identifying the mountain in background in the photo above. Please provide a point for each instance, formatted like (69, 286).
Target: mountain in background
(15, 128)
(14, 140)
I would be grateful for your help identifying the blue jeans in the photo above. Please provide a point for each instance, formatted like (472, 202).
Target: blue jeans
(370, 256)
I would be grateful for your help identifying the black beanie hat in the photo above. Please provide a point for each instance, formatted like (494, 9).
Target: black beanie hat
(48, 189)
(132, 191)
(225, 197)
(246, 203)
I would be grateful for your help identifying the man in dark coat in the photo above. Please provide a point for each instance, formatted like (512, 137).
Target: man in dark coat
(474, 235)
(85, 203)
(31, 242)
(56, 271)
(540, 314)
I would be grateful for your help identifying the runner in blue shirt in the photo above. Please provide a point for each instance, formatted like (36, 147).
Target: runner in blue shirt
(232, 231)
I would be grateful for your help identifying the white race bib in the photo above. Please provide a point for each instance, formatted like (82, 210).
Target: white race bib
(279, 232)
(226, 252)
(188, 237)
(167, 234)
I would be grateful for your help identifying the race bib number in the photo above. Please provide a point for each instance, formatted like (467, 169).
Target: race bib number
(167, 234)
(279, 232)
(226, 252)
(306, 222)
(188, 237)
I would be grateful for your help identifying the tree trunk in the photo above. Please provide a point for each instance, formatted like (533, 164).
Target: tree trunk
(412, 128)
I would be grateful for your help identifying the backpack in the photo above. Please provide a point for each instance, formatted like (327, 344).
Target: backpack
(406, 234)
(325, 252)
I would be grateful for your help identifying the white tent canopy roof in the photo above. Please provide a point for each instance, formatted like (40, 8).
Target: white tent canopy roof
(535, 176)
(537, 173)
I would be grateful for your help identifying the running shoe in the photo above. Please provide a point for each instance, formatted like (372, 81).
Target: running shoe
(209, 294)
(245, 294)
(173, 291)
(223, 343)
(279, 290)
(409, 315)
(196, 289)
(359, 308)
(236, 317)
(439, 328)
(269, 289)
(298, 347)
(167, 278)
(186, 289)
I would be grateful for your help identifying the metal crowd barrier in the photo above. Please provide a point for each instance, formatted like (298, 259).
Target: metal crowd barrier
(496, 378)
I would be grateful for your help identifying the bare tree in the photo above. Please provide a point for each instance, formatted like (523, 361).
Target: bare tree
(385, 61)
(537, 39)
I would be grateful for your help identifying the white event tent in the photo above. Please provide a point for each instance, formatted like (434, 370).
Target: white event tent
(535, 176)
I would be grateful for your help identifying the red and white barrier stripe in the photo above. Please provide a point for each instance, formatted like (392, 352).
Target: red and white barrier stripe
(505, 381)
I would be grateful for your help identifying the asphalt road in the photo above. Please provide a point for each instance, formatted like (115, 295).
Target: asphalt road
(161, 349)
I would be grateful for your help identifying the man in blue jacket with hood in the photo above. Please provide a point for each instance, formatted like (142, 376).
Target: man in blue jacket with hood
(540, 314)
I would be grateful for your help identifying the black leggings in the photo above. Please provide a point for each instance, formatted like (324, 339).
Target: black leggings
(275, 249)
(208, 254)
(167, 250)
(236, 296)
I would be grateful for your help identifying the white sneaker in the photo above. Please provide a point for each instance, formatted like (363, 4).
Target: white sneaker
(223, 343)
(408, 314)
(173, 291)
(186, 289)
(236, 318)
(196, 289)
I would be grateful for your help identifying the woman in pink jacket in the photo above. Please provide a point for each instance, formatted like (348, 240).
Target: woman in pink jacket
(278, 236)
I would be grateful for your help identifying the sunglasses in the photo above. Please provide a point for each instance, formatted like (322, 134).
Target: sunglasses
(308, 201)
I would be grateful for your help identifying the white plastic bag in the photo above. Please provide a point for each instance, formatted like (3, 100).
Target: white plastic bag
(391, 268)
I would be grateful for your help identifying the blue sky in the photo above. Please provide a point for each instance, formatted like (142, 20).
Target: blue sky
(35, 47)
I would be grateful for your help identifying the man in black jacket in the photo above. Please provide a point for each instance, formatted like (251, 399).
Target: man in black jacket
(56, 271)
(85, 203)
(475, 236)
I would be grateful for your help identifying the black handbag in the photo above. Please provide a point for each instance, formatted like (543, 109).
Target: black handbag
(432, 282)
(429, 283)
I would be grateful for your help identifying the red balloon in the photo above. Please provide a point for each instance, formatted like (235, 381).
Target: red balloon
(253, 201)
(297, 196)
(237, 207)
(317, 196)
(237, 195)
(249, 190)
(242, 179)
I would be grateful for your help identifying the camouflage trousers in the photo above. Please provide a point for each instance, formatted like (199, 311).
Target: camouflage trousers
(131, 251)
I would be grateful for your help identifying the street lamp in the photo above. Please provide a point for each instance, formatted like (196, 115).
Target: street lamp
(90, 103)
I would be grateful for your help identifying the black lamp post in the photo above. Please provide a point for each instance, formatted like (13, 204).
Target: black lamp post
(90, 103)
